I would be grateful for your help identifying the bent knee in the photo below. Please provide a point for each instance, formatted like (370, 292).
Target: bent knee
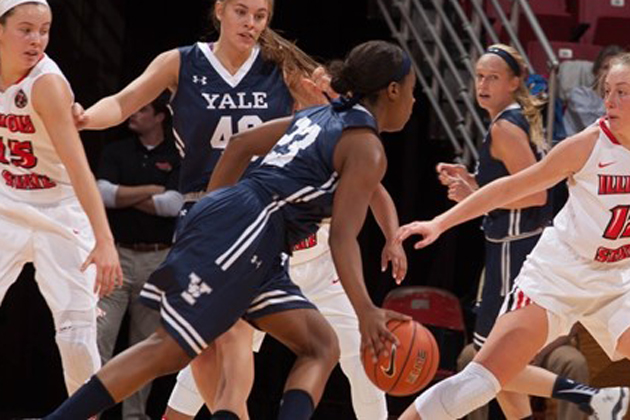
(164, 352)
(323, 345)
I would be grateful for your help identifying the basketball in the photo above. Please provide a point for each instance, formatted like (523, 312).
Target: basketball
(409, 366)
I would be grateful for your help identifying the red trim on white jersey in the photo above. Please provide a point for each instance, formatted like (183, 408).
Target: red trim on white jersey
(606, 130)
(29, 71)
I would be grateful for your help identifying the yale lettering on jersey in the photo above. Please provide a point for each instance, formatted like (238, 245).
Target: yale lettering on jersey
(240, 100)
(196, 288)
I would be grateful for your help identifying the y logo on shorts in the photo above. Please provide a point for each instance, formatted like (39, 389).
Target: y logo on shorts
(196, 288)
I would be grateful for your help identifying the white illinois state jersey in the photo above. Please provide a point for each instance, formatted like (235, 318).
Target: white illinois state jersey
(595, 221)
(313, 246)
(30, 169)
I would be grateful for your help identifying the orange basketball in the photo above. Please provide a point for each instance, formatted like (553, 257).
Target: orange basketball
(408, 367)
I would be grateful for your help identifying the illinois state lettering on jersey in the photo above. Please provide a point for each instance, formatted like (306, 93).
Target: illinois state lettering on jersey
(502, 224)
(596, 219)
(30, 169)
(211, 105)
(298, 172)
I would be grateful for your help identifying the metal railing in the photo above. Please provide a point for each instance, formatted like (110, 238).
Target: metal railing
(426, 29)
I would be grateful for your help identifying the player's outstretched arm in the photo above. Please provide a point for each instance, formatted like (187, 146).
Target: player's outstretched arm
(52, 100)
(161, 74)
(242, 147)
(564, 160)
(360, 160)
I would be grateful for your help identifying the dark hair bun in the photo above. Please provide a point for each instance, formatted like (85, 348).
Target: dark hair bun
(339, 79)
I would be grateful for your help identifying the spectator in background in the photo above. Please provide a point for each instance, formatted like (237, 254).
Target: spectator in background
(138, 178)
(584, 104)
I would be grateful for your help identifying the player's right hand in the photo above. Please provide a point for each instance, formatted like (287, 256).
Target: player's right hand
(429, 231)
(374, 331)
(79, 116)
(449, 172)
(459, 189)
(108, 271)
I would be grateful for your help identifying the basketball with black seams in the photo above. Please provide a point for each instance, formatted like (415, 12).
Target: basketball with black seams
(409, 366)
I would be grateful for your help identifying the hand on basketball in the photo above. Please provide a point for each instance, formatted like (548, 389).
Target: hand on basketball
(78, 114)
(394, 252)
(374, 331)
(108, 272)
(429, 231)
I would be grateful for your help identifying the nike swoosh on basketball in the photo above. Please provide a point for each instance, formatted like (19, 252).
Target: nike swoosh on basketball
(391, 369)
(604, 164)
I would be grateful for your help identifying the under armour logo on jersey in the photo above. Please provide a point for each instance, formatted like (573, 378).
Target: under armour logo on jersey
(200, 79)
(256, 261)
(196, 288)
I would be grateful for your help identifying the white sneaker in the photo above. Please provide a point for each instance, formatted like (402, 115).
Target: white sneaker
(610, 403)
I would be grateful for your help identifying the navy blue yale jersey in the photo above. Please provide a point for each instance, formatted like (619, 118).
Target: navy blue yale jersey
(211, 104)
(509, 224)
(228, 260)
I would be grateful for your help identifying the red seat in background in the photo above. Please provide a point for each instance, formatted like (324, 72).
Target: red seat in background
(438, 310)
(553, 16)
(564, 51)
(607, 20)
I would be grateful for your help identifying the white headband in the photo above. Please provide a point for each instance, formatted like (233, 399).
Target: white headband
(6, 5)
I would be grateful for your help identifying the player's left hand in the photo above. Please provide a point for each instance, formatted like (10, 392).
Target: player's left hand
(108, 272)
(322, 79)
(314, 90)
(429, 231)
(374, 331)
(79, 116)
(393, 251)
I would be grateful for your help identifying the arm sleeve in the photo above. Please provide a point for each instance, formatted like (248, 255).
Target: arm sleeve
(108, 192)
(168, 204)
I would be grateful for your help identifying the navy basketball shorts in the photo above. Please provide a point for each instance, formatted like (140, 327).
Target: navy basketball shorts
(226, 264)
(503, 263)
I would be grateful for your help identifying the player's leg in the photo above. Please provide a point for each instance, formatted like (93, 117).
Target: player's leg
(310, 337)
(159, 354)
(69, 293)
(503, 261)
(185, 401)
(514, 406)
(465, 357)
(567, 361)
(224, 373)
(368, 401)
(515, 339)
(15, 243)
(143, 321)
(319, 282)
